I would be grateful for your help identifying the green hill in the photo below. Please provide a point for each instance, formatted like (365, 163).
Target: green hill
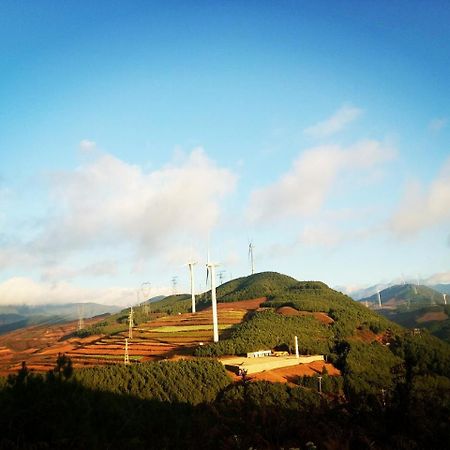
(436, 319)
(414, 306)
(406, 296)
(268, 329)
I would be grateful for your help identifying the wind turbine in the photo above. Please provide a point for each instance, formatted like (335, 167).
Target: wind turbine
(211, 272)
(250, 256)
(191, 265)
(445, 298)
(379, 299)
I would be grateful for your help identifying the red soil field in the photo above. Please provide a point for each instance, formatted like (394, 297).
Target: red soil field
(432, 316)
(39, 346)
(288, 374)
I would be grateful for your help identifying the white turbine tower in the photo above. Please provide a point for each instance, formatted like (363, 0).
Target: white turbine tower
(379, 299)
(250, 256)
(211, 272)
(191, 265)
(445, 298)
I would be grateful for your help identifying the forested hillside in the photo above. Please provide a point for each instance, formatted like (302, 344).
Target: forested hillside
(193, 404)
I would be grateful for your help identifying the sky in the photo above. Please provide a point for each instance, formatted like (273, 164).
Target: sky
(132, 133)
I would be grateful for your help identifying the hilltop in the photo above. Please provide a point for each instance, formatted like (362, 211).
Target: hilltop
(403, 296)
(414, 306)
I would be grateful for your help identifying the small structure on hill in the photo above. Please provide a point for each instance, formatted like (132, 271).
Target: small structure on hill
(259, 354)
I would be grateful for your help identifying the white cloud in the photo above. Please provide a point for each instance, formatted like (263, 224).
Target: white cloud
(437, 124)
(305, 187)
(337, 122)
(423, 208)
(87, 146)
(320, 236)
(109, 202)
(21, 290)
(97, 269)
(438, 278)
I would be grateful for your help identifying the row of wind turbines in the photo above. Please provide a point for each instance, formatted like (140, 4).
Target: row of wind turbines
(211, 275)
(380, 305)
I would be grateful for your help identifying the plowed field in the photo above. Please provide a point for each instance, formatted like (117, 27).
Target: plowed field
(162, 338)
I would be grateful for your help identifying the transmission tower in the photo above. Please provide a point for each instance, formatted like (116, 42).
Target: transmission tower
(126, 358)
(80, 317)
(220, 273)
(130, 324)
(174, 285)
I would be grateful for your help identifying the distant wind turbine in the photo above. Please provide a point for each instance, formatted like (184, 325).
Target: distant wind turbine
(379, 299)
(191, 265)
(250, 256)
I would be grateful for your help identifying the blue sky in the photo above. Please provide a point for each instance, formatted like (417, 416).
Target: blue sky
(129, 131)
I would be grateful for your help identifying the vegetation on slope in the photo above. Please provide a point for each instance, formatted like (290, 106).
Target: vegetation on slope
(267, 329)
(192, 381)
(192, 404)
(436, 319)
(173, 304)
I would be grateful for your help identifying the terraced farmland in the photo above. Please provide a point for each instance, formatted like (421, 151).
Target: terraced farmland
(165, 337)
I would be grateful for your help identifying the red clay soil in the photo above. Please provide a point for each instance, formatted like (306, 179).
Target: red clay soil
(432, 316)
(38, 345)
(288, 311)
(366, 335)
(289, 374)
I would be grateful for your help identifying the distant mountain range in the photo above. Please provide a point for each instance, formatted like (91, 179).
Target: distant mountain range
(414, 306)
(372, 290)
(406, 296)
(13, 317)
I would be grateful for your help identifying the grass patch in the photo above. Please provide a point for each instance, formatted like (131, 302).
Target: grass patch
(187, 328)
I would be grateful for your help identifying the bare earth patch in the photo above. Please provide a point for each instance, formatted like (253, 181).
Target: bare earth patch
(432, 316)
(289, 374)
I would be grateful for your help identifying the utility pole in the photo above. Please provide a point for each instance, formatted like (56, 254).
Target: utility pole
(130, 324)
(80, 317)
(126, 359)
